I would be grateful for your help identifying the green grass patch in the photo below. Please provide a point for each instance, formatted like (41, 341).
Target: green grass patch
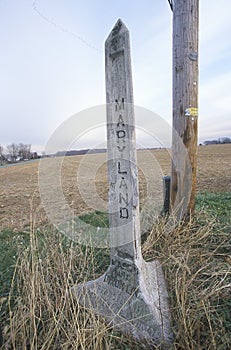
(11, 245)
(216, 206)
(96, 219)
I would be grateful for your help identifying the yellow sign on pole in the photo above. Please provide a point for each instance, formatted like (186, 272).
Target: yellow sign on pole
(191, 112)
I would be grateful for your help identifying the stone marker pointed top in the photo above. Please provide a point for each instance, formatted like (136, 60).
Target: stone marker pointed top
(118, 28)
(131, 294)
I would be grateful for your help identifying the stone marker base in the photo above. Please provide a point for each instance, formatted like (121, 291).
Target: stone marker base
(137, 306)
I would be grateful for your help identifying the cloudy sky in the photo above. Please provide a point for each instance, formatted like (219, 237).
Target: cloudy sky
(52, 63)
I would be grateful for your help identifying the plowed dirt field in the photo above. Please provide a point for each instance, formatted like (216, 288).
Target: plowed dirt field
(82, 183)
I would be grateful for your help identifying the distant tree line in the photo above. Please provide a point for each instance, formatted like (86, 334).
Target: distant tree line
(80, 152)
(221, 140)
(16, 152)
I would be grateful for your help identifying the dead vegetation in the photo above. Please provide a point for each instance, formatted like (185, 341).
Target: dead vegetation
(43, 314)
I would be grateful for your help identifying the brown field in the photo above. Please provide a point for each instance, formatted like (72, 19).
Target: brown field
(83, 182)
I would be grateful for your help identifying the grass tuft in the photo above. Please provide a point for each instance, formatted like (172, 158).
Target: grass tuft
(197, 269)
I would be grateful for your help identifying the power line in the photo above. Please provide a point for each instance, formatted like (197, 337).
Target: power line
(62, 29)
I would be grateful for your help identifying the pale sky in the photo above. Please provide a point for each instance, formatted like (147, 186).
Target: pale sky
(52, 63)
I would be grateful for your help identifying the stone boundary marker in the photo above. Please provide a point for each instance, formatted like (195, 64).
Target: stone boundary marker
(132, 294)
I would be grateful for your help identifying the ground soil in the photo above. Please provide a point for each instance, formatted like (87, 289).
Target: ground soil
(82, 183)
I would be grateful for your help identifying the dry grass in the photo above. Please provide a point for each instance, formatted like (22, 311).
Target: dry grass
(196, 261)
(44, 316)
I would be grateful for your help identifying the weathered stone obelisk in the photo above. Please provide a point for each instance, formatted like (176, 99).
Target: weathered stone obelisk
(132, 294)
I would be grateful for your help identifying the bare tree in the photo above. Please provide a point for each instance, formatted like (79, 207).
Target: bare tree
(225, 140)
(13, 151)
(21, 150)
(1, 154)
(24, 151)
(28, 151)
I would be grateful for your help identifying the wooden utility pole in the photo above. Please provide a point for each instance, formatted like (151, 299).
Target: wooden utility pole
(185, 105)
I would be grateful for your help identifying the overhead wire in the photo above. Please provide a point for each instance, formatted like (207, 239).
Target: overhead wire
(171, 4)
(61, 28)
